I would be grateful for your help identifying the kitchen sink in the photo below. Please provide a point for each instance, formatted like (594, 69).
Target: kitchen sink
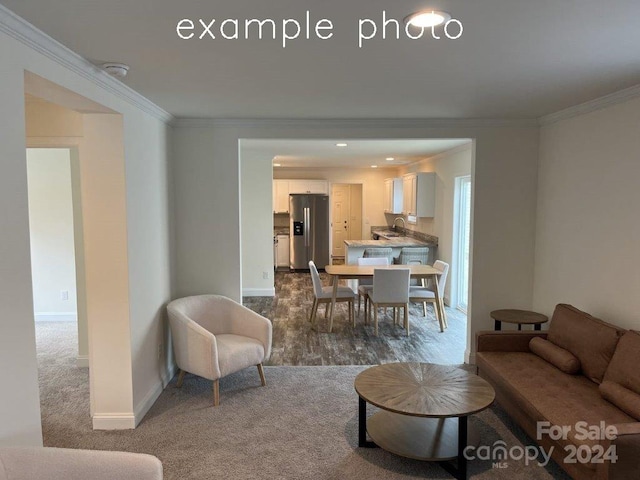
(389, 234)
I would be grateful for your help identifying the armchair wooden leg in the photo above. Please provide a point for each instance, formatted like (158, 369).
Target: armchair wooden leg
(261, 372)
(180, 378)
(424, 309)
(216, 393)
(359, 302)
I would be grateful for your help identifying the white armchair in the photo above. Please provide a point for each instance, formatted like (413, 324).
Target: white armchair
(213, 336)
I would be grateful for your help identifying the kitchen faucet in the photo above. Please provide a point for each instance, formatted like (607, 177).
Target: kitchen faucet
(404, 225)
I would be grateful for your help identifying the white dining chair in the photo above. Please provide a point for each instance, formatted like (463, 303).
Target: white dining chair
(390, 289)
(426, 295)
(365, 285)
(324, 295)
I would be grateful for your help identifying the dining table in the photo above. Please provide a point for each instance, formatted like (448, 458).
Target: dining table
(358, 272)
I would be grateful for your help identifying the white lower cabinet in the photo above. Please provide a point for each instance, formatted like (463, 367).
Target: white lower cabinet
(282, 250)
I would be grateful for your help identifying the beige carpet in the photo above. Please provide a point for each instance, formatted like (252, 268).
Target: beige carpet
(303, 425)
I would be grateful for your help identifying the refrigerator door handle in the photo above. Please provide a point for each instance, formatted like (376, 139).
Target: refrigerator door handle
(306, 221)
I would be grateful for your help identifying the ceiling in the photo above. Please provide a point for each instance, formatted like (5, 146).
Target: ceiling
(515, 59)
(357, 154)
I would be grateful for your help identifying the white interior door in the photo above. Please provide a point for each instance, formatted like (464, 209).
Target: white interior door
(340, 218)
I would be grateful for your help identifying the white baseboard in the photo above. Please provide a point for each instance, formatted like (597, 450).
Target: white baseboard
(150, 398)
(126, 421)
(258, 292)
(82, 361)
(56, 317)
(114, 421)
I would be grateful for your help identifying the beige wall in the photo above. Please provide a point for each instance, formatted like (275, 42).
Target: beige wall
(208, 179)
(144, 146)
(588, 232)
(51, 233)
(447, 167)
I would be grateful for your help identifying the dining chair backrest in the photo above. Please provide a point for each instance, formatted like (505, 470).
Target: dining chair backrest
(442, 280)
(315, 278)
(391, 285)
(372, 261)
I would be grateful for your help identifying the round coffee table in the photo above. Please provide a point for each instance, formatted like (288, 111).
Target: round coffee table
(424, 410)
(520, 317)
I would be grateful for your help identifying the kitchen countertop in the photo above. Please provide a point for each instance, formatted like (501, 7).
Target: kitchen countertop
(392, 242)
(281, 230)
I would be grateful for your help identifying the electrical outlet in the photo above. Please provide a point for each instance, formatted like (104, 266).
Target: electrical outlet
(265, 275)
(159, 351)
(64, 294)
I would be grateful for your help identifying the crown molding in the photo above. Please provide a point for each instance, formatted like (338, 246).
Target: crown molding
(614, 98)
(21, 30)
(353, 122)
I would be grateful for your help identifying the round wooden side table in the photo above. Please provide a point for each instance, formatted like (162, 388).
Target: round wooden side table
(519, 317)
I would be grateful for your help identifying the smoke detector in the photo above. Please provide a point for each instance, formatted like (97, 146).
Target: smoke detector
(118, 70)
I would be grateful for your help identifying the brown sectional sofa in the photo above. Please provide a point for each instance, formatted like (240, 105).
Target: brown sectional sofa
(581, 370)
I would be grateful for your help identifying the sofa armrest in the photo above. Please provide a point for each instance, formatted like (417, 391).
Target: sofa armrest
(492, 341)
(627, 450)
(33, 463)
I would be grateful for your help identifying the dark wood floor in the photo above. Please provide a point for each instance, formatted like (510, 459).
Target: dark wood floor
(295, 343)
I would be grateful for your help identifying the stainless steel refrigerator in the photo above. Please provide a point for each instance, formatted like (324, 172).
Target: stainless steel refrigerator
(309, 230)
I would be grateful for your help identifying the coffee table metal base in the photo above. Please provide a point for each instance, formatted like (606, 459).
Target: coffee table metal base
(441, 440)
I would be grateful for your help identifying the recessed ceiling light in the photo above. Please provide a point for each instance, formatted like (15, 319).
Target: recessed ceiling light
(427, 18)
(374, 166)
(390, 159)
(277, 164)
(341, 144)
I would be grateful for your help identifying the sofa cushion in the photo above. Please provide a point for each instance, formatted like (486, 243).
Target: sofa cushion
(623, 398)
(543, 392)
(556, 356)
(623, 368)
(590, 339)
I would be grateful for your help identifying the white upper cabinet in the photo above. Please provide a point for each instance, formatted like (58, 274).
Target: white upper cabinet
(419, 194)
(309, 186)
(393, 198)
(281, 196)
(282, 189)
